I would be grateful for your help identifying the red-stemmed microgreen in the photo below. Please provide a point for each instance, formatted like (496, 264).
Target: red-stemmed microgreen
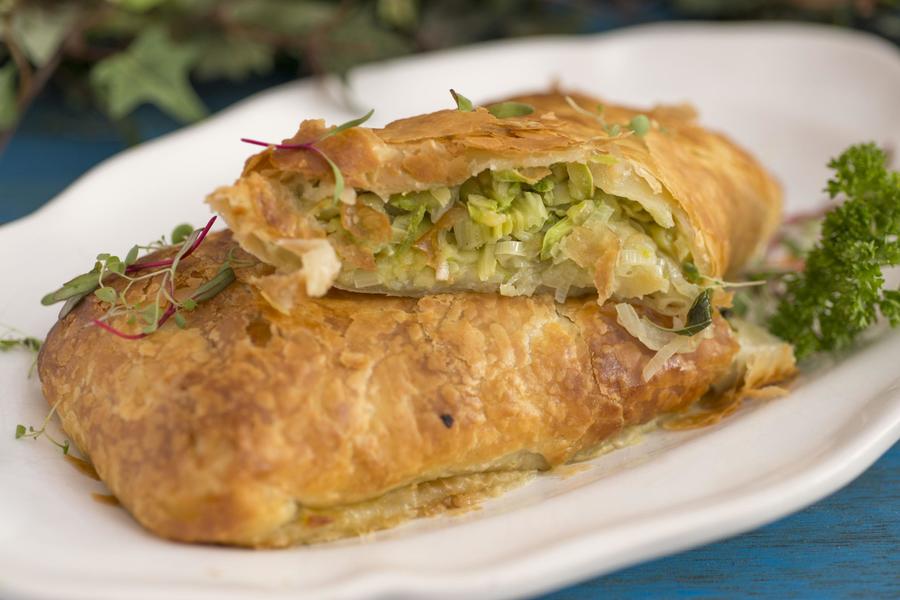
(310, 146)
(164, 306)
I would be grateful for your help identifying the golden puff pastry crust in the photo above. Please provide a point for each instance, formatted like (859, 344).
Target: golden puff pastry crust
(722, 198)
(256, 428)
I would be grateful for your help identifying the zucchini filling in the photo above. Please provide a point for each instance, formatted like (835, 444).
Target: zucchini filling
(516, 232)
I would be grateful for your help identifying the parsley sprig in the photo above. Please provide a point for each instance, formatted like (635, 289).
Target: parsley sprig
(841, 292)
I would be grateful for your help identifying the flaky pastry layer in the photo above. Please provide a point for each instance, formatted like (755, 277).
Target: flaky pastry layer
(256, 428)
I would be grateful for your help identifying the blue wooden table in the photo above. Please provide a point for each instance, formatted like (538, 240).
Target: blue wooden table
(847, 545)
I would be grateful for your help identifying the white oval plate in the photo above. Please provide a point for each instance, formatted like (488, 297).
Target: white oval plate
(795, 95)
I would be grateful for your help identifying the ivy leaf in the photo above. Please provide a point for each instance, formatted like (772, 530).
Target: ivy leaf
(291, 17)
(232, 58)
(41, 30)
(360, 37)
(8, 111)
(153, 70)
(138, 6)
(401, 14)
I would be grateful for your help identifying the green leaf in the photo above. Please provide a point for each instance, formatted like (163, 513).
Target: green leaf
(40, 30)
(505, 110)
(70, 304)
(640, 125)
(691, 272)
(138, 6)
(463, 104)
(841, 290)
(890, 306)
(189, 304)
(153, 70)
(106, 294)
(699, 316)
(291, 17)
(232, 58)
(8, 111)
(180, 320)
(114, 265)
(338, 178)
(78, 286)
(402, 14)
(348, 125)
(181, 233)
(360, 37)
(20, 431)
(150, 314)
(26, 343)
(132, 255)
(211, 288)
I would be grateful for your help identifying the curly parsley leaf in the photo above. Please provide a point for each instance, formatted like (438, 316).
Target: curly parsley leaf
(841, 291)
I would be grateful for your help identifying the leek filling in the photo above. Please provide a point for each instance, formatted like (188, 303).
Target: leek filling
(512, 231)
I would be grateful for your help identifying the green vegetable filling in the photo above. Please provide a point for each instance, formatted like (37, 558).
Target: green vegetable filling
(512, 231)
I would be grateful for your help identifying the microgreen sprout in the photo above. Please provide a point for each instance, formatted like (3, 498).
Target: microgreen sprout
(639, 125)
(501, 110)
(27, 343)
(505, 110)
(16, 339)
(311, 147)
(463, 104)
(164, 306)
(31, 432)
(693, 275)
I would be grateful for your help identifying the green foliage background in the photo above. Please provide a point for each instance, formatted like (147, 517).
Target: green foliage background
(120, 54)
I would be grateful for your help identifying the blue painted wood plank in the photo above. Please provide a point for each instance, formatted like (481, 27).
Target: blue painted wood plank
(845, 546)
